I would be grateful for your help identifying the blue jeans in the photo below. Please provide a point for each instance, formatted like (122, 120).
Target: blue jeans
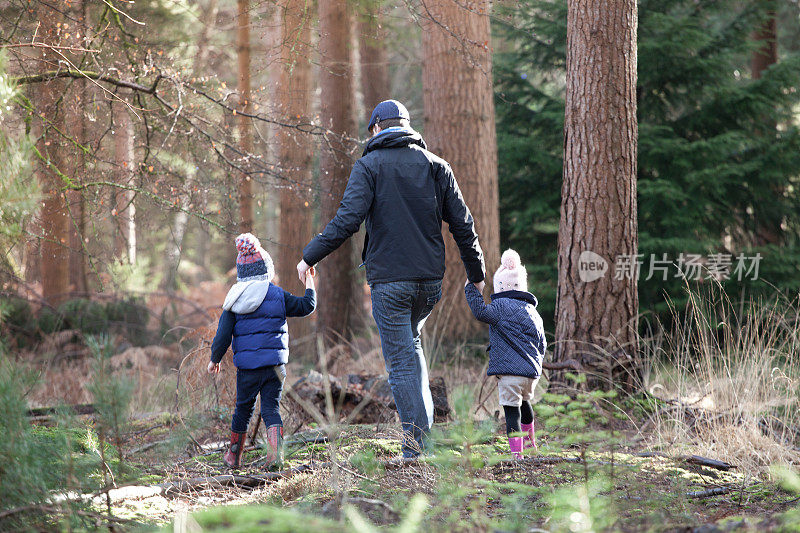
(266, 381)
(400, 309)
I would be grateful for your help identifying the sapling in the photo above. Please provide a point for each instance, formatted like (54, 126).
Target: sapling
(111, 394)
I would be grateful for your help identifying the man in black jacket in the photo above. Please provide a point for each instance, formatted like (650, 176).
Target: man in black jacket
(404, 192)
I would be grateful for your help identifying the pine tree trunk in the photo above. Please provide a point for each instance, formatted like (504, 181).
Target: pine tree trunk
(77, 99)
(460, 127)
(245, 126)
(124, 210)
(767, 54)
(180, 220)
(54, 243)
(269, 203)
(294, 154)
(374, 61)
(341, 309)
(768, 227)
(596, 319)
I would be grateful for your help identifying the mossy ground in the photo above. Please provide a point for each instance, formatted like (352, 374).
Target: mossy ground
(468, 484)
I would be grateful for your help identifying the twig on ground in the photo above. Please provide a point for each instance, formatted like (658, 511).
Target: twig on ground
(147, 446)
(356, 474)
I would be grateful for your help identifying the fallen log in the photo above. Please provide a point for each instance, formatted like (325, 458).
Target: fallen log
(77, 409)
(182, 485)
(692, 459)
(226, 480)
(363, 398)
(711, 463)
(716, 491)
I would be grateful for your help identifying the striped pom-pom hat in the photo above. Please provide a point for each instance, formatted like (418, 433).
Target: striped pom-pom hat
(253, 262)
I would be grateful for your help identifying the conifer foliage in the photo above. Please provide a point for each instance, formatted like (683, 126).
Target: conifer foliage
(719, 152)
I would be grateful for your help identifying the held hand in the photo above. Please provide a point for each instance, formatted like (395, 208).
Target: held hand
(310, 277)
(302, 268)
(213, 368)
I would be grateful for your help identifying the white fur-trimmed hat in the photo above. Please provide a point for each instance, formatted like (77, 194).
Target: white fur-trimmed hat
(511, 276)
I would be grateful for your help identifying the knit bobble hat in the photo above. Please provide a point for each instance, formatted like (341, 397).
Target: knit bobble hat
(253, 262)
(511, 276)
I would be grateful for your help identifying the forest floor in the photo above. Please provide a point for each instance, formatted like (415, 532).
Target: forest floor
(604, 463)
(342, 481)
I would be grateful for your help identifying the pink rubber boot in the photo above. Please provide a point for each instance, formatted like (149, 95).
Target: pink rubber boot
(530, 437)
(515, 444)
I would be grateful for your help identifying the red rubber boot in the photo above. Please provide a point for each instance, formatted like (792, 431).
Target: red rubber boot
(233, 457)
(274, 455)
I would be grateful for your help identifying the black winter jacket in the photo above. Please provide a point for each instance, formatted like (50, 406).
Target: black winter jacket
(404, 192)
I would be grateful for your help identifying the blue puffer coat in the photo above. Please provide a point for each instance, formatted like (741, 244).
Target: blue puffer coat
(255, 317)
(517, 344)
(261, 338)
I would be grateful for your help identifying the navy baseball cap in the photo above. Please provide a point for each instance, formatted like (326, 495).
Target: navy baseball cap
(386, 110)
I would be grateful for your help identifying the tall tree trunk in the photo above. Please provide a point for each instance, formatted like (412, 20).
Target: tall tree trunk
(124, 210)
(269, 203)
(596, 313)
(51, 145)
(767, 54)
(77, 99)
(294, 150)
(245, 126)
(374, 61)
(181, 218)
(459, 126)
(341, 309)
(768, 227)
(169, 282)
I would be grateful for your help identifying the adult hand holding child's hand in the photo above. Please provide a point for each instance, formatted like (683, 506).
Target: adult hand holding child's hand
(213, 368)
(302, 268)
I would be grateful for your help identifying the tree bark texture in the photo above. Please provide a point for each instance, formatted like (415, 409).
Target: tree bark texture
(460, 127)
(294, 93)
(598, 195)
(75, 102)
(245, 104)
(341, 308)
(54, 162)
(374, 60)
(180, 219)
(768, 227)
(767, 54)
(124, 211)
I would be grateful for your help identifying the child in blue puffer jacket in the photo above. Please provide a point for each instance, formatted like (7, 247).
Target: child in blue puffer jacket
(254, 320)
(517, 346)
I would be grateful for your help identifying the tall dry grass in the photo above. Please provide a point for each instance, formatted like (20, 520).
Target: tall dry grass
(725, 375)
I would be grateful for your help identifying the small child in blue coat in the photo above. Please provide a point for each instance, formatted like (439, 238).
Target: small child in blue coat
(517, 345)
(254, 320)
